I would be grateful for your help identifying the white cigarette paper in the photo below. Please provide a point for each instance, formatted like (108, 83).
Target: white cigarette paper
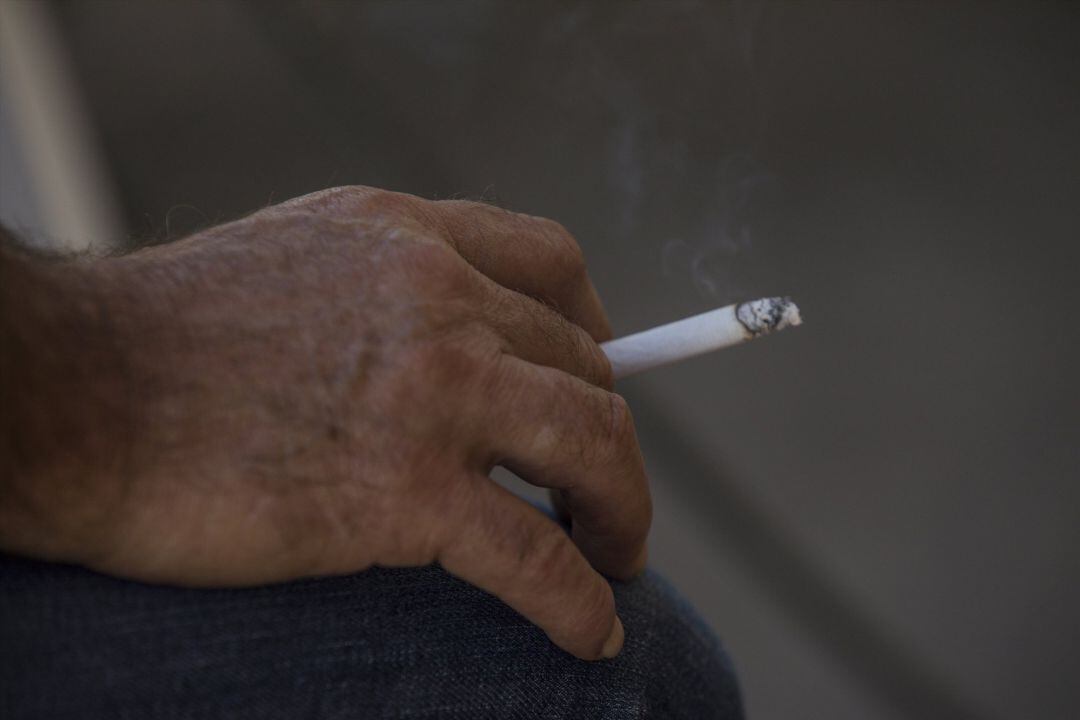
(699, 334)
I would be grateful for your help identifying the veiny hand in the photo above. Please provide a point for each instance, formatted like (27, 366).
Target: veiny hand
(324, 386)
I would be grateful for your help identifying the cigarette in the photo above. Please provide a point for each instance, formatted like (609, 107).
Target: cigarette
(699, 334)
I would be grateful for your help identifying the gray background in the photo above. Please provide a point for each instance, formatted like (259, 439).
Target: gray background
(878, 511)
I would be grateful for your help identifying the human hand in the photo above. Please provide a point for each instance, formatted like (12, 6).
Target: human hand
(325, 385)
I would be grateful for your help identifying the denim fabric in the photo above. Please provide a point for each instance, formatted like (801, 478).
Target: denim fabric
(385, 643)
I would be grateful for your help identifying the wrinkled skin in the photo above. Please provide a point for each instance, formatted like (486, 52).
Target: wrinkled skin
(321, 387)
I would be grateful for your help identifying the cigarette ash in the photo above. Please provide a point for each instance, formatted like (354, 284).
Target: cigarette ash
(761, 317)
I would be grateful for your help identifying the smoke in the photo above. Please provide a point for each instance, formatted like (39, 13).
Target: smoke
(690, 146)
(725, 235)
(680, 122)
(628, 170)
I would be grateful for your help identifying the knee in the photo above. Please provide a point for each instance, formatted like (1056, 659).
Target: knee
(672, 665)
(671, 655)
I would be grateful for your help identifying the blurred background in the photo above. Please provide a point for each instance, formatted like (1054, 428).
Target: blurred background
(877, 512)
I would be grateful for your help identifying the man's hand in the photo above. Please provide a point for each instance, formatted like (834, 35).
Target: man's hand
(321, 387)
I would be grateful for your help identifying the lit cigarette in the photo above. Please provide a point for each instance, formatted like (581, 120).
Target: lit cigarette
(699, 334)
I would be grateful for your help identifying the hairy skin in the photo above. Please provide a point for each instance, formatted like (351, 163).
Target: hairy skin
(321, 387)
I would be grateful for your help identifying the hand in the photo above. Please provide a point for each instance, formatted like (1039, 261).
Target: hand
(325, 385)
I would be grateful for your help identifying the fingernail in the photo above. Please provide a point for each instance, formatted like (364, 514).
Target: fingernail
(614, 643)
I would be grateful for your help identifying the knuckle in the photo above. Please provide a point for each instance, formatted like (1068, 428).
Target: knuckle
(432, 257)
(435, 270)
(588, 360)
(344, 199)
(595, 426)
(326, 199)
(461, 219)
(476, 211)
(355, 193)
(602, 373)
(617, 426)
(623, 456)
(569, 258)
(367, 197)
(353, 201)
(458, 205)
(616, 454)
(401, 209)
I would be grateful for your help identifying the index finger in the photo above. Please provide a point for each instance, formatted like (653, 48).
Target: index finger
(531, 255)
(505, 546)
(558, 431)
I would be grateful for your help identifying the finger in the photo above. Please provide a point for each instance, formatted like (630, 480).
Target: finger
(557, 431)
(535, 332)
(505, 546)
(531, 255)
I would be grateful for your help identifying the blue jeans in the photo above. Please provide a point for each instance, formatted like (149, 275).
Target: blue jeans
(385, 643)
